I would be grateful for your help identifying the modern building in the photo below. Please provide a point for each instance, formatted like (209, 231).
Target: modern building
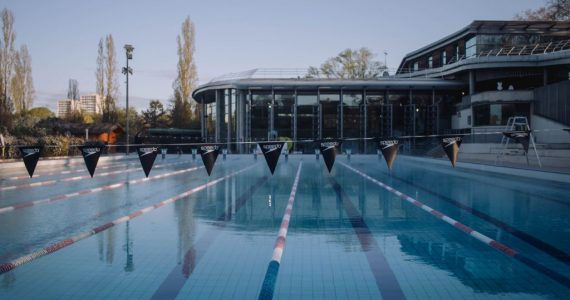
(470, 81)
(66, 106)
(91, 104)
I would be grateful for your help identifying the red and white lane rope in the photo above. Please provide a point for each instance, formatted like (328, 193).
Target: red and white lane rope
(8, 266)
(75, 178)
(559, 277)
(280, 242)
(80, 170)
(93, 190)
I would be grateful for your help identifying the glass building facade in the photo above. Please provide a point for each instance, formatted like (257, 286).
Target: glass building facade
(301, 114)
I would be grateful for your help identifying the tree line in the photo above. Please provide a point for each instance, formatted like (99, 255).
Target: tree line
(16, 82)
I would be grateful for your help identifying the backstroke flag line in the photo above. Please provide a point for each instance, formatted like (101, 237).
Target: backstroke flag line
(328, 150)
(147, 155)
(451, 147)
(209, 155)
(91, 154)
(31, 155)
(271, 152)
(522, 137)
(389, 148)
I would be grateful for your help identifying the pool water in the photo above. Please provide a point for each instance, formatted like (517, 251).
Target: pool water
(353, 234)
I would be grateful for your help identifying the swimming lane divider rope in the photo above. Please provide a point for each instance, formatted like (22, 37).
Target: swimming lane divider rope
(113, 186)
(8, 266)
(268, 286)
(76, 178)
(560, 278)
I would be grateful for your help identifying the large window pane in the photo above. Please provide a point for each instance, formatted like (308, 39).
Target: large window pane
(283, 111)
(260, 115)
(330, 107)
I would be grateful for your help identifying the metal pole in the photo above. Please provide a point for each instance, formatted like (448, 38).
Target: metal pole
(127, 113)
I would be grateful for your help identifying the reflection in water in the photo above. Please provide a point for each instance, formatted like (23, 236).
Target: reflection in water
(186, 233)
(128, 247)
(106, 245)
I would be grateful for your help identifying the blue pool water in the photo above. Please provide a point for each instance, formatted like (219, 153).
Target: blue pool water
(348, 237)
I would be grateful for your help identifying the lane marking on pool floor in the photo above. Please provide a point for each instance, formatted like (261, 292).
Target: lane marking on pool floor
(386, 281)
(547, 248)
(8, 266)
(562, 279)
(113, 186)
(268, 286)
(76, 178)
(176, 279)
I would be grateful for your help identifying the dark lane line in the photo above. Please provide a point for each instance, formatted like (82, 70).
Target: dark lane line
(385, 278)
(554, 275)
(547, 248)
(173, 283)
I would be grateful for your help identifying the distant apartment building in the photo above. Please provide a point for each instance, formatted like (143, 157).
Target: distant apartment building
(90, 104)
(66, 106)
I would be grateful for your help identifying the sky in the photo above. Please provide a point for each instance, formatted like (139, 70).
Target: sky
(231, 36)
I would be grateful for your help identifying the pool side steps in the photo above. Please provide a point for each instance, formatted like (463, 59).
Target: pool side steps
(8, 266)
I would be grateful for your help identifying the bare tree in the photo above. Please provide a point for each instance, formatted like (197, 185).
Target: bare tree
(349, 64)
(22, 85)
(553, 10)
(73, 90)
(111, 84)
(7, 54)
(184, 108)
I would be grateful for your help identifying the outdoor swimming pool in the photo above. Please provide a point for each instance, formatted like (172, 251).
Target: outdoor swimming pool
(357, 233)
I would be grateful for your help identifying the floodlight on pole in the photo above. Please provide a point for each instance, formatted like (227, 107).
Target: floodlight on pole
(127, 70)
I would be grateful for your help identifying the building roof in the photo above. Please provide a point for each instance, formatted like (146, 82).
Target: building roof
(324, 84)
(495, 27)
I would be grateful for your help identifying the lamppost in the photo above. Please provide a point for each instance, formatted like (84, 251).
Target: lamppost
(126, 70)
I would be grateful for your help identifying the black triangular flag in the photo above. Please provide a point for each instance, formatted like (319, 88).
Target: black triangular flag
(209, 155)
(389, 148)
(271, 152)
(31, 155)
(91, 153)
(147, 155)
(522, 137)
(328, 150)
(451, 147)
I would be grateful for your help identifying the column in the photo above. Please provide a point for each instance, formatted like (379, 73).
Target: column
(471, 82)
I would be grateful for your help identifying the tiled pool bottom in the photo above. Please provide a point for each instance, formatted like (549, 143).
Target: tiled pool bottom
(348, 237)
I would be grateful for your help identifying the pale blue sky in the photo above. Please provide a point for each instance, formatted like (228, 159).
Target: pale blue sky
(232, 36)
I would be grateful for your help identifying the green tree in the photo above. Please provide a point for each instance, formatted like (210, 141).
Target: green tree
(155, 116)
(136, 122)
(22, 84)
(111, 85)
(6, 66)
(41, 113)
(349, 64)
(553, 10)
(185, 110)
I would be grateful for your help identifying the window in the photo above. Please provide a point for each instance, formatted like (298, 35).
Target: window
(471, 47)
(443, 57)
(498, 114)
(416, 66)
(430, 62)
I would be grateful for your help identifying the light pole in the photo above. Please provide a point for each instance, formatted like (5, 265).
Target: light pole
(126, 70)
